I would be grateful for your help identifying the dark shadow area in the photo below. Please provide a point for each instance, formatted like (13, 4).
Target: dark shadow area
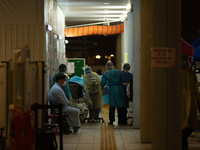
(89, 46)
(190, 20)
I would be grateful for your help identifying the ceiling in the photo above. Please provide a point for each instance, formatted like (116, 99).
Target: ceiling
(81, 12)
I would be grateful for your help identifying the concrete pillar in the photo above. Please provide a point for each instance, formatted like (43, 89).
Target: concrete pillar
(145, 70)
(134, 60)
(122, 49)
(125, 50)
(118, 55)
(132, 55)
(129, 40)
(166, 82)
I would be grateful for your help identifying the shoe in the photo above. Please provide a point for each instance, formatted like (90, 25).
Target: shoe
(69, 132)
(66, 130)
(110, 123)
(122, 122)
(76, 129)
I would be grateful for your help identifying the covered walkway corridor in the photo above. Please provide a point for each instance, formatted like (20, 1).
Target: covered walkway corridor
(101, 136)
(150, 26)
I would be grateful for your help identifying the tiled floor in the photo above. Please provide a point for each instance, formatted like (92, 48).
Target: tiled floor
(193, 145)
(89, 137)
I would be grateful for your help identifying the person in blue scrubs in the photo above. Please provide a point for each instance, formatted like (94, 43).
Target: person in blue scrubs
(62, 70)
(115, 93)
(126, 78)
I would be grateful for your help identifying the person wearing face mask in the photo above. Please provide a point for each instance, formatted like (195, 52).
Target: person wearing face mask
(62, 70)
(115, 93)
(91, 82)
(190, 101)
(57, 96)
(126, 78)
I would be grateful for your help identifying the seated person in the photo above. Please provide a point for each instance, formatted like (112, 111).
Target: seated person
(57, 96)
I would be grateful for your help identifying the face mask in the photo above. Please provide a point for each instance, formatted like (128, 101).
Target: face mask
(64, 83)
(184, 64)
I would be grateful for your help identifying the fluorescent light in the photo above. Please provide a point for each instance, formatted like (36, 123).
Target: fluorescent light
(98, 56)
(106, 11)
(106, 3)
(105, 15)
(125, 12)
(110, 20)
(128, 7)
(123, 18)
(105, 6)
(49, 28)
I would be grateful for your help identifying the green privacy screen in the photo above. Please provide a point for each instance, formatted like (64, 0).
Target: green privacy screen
(75, 67)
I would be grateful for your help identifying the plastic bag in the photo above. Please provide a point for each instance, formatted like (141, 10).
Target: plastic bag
(87, 99)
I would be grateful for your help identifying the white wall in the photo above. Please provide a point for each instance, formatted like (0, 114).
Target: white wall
(22, 23)
(132, 55)
(135, 62)
(125, 50)
(60, 31)
(55, 49)
(118, 52)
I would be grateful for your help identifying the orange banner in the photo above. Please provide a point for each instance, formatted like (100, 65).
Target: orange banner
(94, 30)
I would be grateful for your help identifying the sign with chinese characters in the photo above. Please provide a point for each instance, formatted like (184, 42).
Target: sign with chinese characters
(163, 57)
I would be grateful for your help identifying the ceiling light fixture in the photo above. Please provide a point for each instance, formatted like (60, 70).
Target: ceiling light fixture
(106, 11)
(125, 12)
(59, 37)
(55, 36)
(105, 20)
(98, 56)
(48, 27)
(122, 18)
(106, 3)
(66, 41)
(128, 7)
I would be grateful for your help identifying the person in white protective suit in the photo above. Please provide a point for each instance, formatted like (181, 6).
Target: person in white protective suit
(91, 82)
(57, 96)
